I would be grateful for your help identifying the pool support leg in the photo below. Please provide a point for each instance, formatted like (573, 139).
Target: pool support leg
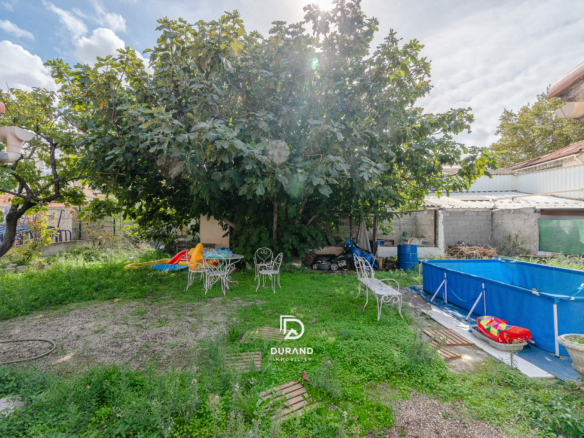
(475, 303)
(439, 287)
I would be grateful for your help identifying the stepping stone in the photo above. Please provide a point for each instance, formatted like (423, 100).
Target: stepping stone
(266, 333)
(448, 337)
(242, 361)
(444, 352)
(293, 395)
(8, 404)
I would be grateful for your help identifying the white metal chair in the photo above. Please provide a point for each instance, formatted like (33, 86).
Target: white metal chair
(262, 259)
(384, 293)
(273, 272)
(201, 270)
(218, 273)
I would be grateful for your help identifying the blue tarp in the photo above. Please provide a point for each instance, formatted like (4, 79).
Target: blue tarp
(523, 294)
(352, 249)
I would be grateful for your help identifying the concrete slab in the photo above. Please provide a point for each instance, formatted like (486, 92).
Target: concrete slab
(461, 328)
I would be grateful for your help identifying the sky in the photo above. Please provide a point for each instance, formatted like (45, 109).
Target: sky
(487, 55)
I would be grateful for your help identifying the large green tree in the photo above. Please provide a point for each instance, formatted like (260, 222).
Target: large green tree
(277, 136)
(534, 131)
(49, 164)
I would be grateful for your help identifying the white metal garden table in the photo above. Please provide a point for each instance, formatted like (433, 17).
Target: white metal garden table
(219, 269)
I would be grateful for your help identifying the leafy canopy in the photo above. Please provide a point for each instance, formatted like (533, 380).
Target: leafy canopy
(534, 131)
(49, 163)
(280, 136)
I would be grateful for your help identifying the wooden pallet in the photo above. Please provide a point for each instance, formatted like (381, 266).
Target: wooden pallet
(448, 337)
(266, 333)
(294, 397)
(444, 352)
(242, 361)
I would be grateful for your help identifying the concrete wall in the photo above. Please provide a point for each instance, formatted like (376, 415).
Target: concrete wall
(492, 227)
(212, 233)
(472, 227)
(54, 248)
(507, 222)
(423, 251)
(419, 224)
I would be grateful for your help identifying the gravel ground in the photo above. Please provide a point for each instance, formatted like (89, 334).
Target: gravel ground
(423, 417)
(163, 331)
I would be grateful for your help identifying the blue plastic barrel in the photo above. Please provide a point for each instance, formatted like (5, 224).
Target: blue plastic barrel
(407, 257)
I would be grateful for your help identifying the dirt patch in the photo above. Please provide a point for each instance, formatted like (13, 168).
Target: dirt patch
(164, 332)
(423, 417)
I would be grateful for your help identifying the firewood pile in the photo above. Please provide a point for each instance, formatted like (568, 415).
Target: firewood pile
(463, 251)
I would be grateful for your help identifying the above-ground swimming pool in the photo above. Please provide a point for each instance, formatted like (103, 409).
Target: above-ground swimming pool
(546, 300)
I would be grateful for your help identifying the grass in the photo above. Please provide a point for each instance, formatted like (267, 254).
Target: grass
(353, 355)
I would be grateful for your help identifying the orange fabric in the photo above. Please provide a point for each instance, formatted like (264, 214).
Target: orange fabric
(195, 257)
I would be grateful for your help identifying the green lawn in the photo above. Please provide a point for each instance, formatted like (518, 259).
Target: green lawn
(354, 356)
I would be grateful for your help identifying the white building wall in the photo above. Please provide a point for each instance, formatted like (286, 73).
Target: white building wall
(544, 181)
(499, 183)
(554, 180)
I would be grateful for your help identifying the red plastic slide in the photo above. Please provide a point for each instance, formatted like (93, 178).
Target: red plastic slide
(180, 257)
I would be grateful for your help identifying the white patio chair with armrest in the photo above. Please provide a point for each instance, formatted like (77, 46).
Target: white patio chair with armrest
(262, 259)
(273, 272)
(384, 293)
(218, 273)
(201, 270)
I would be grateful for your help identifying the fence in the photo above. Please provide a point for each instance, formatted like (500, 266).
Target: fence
(60, 236)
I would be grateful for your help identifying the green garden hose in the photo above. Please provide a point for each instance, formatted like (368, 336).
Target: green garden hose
(29, 358)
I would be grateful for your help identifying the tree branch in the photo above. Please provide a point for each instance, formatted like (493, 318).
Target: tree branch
(227, 221)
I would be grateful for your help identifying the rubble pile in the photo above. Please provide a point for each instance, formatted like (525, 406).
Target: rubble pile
(462, 251)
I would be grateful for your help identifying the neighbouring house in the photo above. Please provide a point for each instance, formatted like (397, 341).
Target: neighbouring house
(530, 207)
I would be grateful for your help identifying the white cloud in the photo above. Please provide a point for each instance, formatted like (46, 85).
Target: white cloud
(485, 56)
(115, 22)
(8, 6)
(73, 24)
(12, 28)
(24, 70)
(101, 42)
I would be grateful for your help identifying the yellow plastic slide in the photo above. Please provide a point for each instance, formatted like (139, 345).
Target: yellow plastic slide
(195, 257)
(147, 264)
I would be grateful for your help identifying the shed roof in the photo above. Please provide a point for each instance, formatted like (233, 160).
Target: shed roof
(489, 200)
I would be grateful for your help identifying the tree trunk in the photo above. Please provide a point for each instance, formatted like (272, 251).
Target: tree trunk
(275, 223)
(374, 249)
(14, 213)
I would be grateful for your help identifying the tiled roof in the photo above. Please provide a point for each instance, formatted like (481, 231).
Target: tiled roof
(572, 149)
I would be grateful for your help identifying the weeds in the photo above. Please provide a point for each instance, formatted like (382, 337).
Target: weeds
(353, 353)
(325, 377)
